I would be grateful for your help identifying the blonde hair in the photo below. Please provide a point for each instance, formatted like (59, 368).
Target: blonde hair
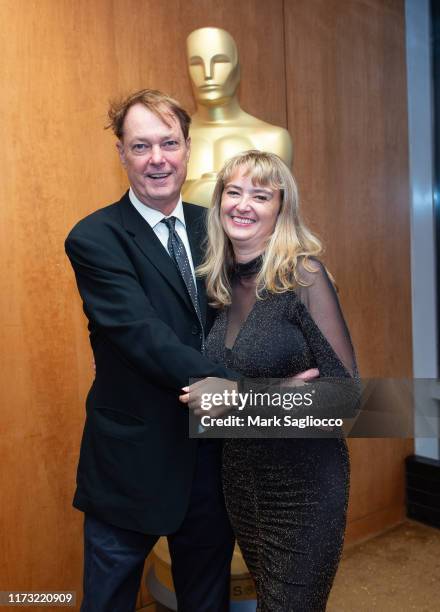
(290, 240)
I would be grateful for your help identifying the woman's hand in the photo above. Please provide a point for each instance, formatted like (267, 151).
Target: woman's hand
(213, 396)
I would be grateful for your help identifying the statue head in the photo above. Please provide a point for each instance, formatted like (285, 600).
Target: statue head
(213, 65)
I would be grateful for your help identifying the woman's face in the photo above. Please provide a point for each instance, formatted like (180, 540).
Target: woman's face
(248, 212)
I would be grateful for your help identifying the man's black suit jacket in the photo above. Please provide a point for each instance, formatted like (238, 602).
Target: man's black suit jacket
(136, 461)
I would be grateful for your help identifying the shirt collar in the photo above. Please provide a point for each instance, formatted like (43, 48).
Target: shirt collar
(153, 216)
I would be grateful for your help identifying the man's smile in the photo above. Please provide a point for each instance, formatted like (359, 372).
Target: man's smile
(158, 175)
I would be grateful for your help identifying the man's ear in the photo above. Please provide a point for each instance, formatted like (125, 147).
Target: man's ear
(121, 152)
(188, 146)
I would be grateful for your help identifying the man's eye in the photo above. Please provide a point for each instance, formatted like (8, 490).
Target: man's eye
(139, 147)
(171, 144)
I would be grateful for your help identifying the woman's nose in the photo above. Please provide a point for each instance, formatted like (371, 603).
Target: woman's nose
(243, 203)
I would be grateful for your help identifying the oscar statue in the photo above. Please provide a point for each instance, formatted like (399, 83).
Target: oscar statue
(220, 127)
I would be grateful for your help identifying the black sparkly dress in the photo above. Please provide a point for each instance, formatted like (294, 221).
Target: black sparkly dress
(286, 498)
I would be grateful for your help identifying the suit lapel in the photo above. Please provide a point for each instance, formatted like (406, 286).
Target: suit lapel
(196, 230)
(151, 247)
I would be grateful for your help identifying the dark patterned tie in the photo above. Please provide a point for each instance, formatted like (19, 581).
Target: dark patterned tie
(177, 251)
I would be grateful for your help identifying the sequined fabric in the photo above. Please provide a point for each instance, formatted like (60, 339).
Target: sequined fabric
(286, 498)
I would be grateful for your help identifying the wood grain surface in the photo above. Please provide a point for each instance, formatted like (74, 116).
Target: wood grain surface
(346, 92)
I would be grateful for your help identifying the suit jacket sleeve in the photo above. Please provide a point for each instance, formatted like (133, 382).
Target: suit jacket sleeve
(117, 306)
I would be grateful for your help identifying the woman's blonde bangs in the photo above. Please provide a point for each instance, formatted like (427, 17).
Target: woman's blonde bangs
(260, 169)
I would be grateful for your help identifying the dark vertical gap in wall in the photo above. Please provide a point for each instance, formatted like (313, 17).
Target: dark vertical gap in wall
(286, 102)
(435, 34)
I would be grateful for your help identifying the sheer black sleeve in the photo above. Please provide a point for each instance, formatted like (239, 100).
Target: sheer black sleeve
(320, 309)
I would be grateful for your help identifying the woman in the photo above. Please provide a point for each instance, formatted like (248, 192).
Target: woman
(278, 315)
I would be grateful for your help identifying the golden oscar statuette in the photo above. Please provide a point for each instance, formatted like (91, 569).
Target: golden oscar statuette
(220, 127)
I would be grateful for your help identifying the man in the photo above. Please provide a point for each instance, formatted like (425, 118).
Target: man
(139, 474)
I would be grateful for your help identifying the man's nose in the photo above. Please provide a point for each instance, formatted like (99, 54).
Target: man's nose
(156, 155)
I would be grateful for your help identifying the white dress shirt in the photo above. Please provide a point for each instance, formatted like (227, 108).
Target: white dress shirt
(154, 217)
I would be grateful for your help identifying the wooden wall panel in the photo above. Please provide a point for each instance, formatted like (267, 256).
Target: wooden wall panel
(346, 93)
(61, 61)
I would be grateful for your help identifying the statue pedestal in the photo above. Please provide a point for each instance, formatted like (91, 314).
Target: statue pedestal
(160, 581)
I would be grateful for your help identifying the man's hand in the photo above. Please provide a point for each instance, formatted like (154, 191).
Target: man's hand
(300, 379)
(216, 395)
(205, 396)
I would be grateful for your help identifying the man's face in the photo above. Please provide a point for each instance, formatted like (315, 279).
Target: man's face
(155, 156)
(213, 65)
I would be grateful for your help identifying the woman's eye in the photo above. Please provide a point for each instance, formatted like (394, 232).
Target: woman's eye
(262, 198)
(232, 193)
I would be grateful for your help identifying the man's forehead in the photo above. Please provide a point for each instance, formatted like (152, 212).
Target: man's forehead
(140, 119)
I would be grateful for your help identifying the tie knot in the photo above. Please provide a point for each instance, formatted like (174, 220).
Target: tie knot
(170, 222)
